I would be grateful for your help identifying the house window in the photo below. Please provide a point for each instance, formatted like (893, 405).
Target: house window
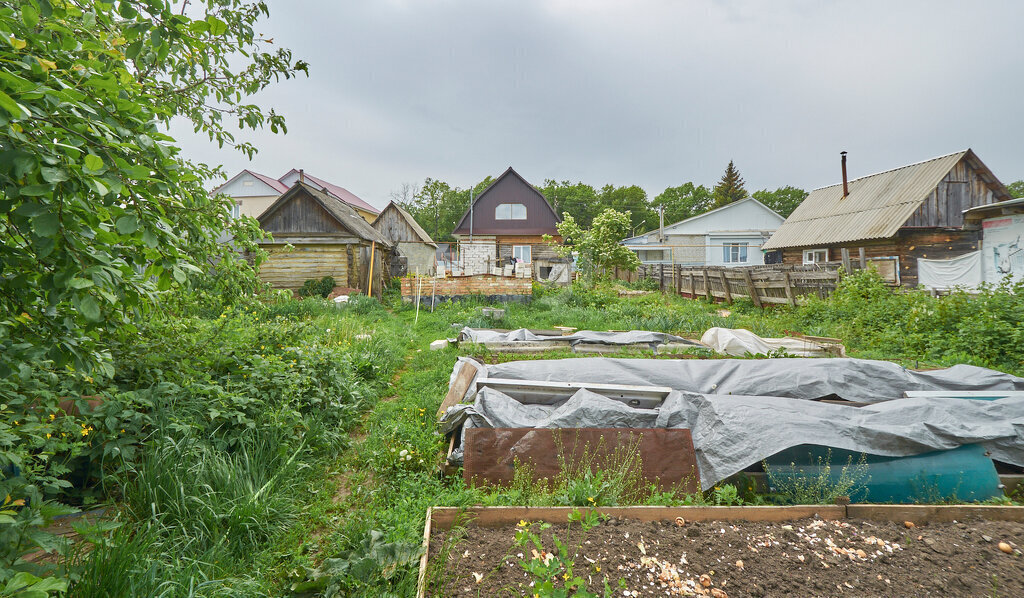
(654, 255)
(236, 209)
(510, 211)
(815, 256)
(734, 253)
(522, 253)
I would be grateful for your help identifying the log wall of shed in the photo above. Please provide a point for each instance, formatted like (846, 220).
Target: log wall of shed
(908, 245)
(288, 269)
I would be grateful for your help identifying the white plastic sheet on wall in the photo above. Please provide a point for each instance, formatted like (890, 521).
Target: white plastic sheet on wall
(962, 271)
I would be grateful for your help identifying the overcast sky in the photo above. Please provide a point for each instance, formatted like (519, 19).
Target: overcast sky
(652, 93)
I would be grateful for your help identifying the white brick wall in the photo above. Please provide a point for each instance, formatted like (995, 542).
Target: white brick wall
(478, 255)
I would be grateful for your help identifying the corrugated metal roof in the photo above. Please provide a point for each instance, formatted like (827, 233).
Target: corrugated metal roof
(877, 206)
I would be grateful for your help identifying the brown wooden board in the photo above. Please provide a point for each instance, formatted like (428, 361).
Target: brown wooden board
(458, 388)
(666, 456)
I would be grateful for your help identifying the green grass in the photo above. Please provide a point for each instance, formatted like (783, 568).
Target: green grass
(264, 447)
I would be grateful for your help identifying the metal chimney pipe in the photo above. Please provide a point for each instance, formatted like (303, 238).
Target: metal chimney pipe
(302, 173)
(846, 186)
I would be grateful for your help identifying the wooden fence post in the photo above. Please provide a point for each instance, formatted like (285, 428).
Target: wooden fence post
(725, 286)
(693, 286)
(845, 252)
(863, 260)
(789, 289)
(661, 277)
(753, 290)
(707, 287)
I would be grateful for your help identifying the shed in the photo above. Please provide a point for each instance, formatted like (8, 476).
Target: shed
(1002, 239)
(897, 216)
(413, 248)
(316, 234)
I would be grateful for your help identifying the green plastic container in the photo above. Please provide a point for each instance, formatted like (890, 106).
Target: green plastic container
(961, 474)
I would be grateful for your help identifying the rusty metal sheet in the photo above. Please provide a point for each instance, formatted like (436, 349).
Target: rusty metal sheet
(666, 455)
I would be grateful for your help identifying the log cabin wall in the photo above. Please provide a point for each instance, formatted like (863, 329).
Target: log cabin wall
(908, 245)
(539, 249)
(289, 269)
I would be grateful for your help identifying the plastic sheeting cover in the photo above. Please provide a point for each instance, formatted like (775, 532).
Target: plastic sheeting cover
(732, 432)
(739, 342)
(583, 336)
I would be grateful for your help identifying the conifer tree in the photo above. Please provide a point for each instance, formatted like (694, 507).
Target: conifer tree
(730, 188)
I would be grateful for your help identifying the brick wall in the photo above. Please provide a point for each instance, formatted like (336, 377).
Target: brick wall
(462, 286)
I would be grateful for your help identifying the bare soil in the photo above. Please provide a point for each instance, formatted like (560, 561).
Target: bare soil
(807, 558)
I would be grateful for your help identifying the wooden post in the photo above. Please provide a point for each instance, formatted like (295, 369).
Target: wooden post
(845, 252)
(707, 287)
(725, 286)
(753, 290)
(661, 277)
(863, 260)
(369, 276)
(789, 289)
(693, 286)
(677, 278)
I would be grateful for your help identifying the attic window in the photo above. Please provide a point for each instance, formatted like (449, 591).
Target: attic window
(510, 211)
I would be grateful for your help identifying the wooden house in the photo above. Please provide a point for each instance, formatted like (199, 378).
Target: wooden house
(506, 224)
(315, 234)
(413, 249)
(895, 217)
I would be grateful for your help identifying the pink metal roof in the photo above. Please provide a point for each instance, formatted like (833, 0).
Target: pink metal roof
(340, 192)
(276, 184)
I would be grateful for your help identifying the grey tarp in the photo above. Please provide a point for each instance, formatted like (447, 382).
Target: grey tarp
(633, 337)
(731, 432)
(859, 380)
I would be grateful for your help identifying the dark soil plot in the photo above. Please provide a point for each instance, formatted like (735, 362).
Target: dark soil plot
(806, 557)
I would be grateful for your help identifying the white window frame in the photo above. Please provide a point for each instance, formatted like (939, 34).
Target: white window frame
(518, 251)
(510, 211)
(811, 256)
(236, 210)
(740, 248)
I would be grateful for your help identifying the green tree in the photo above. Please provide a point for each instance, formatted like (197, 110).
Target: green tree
(1016, 189)
(633, 201)
(598, 246)
(783, 200)
(99, 212)
(438, 207)
(730, 187)
(577, 199)
(685, 201)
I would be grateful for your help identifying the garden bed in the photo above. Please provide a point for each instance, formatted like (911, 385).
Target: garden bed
(860, 550)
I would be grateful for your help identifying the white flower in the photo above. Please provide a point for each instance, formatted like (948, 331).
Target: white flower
(403, 453)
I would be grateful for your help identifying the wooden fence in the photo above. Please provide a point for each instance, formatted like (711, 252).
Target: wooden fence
(761, 284)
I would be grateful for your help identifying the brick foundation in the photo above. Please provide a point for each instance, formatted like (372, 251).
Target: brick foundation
(501, 288)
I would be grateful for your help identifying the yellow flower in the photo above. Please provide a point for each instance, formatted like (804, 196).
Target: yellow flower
(590, 498)
(122, 430)
(565, 576)
(522, 523)
(15, 422)
(85, 432)
(52, 416)
(598, 568)
(47, 434)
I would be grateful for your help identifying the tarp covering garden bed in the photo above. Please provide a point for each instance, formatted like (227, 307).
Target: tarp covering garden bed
(742, 411)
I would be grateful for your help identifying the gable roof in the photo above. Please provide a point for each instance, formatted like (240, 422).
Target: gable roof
(415, 226)
(670, 228)
(340, 192)
(343, 214)
(878, 205)
(483, 194)
(266, 180)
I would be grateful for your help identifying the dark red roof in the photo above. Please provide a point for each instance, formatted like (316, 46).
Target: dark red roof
(340, 192)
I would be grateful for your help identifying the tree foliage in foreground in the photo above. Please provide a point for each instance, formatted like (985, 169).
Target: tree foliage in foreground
(1016, 189)
(99, 212)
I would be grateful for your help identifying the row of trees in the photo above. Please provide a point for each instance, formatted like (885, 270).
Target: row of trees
(438, 206)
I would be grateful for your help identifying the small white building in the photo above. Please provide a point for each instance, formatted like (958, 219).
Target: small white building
(728, 236)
